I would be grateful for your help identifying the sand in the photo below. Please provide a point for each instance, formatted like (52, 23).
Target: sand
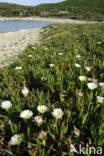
(12, 43)
(54, 20)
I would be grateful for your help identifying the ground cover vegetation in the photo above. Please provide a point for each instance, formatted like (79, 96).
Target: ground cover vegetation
(52, 97)
(74, 9)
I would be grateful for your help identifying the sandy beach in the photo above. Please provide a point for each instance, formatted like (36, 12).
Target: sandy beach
(12, 43)
(54, 20)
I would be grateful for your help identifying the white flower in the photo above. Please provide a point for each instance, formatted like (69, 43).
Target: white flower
(88, 68)
(45, 48)
(85, 33)
(43, 78)
(77, 49)
(98, 42)
(51, 65)
(6, 104)
(57, 113)
(18, 68)
(30, 55)
(42, 108)
(101, 84)
(82, 78)
(26, 114)
(25, 91)
(60, 54)
(77, 65)
(77, 132)
(33, 47)
(100, 99)
(78, 56)
(15, 139)
(38, 119)
(92, 86)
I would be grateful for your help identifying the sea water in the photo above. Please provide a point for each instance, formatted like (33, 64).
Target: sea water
(16, 25)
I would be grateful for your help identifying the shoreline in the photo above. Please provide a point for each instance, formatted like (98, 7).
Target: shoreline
(54, 20)
(13, 43)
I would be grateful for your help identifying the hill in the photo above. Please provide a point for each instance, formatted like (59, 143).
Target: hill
(74, 9)
(77, 9)
(9, 10)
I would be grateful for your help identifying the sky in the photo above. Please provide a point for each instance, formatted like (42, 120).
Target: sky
(30, 2)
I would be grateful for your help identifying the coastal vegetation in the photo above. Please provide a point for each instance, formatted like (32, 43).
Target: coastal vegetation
(74, 9)
(11, 10)
(52, 97)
